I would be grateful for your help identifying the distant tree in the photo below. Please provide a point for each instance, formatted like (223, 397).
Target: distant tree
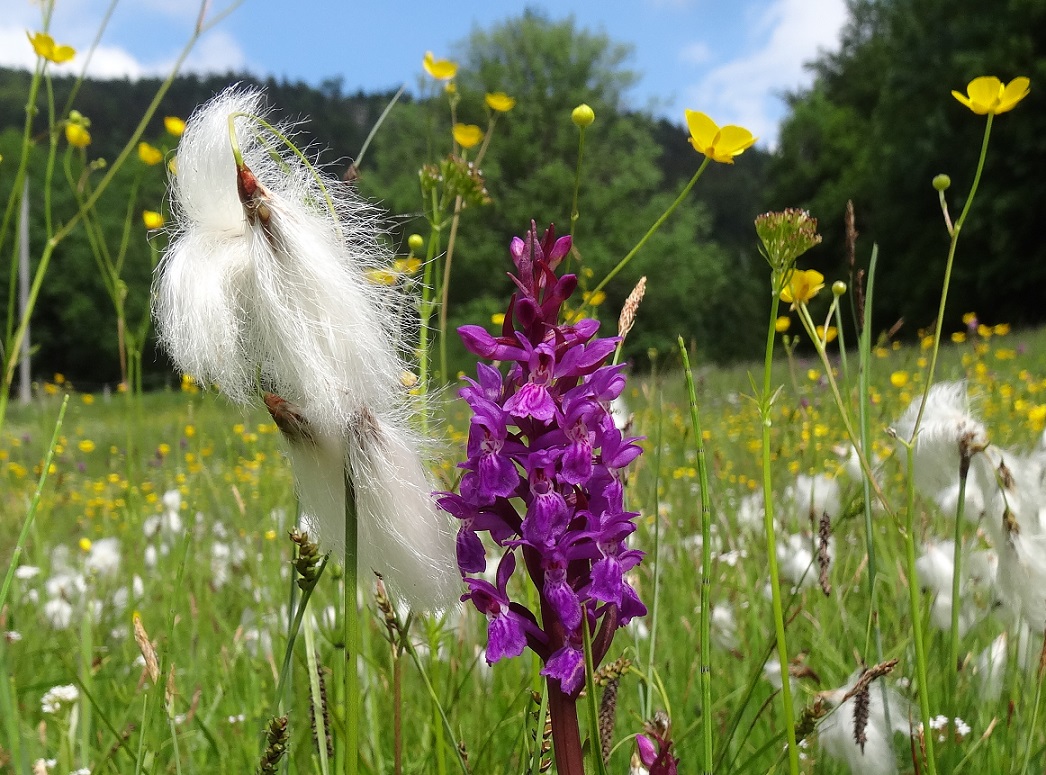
(879, 123)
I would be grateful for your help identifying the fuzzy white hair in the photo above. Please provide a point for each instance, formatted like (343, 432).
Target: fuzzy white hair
(284, 296)
(265, 287)
(402, 535)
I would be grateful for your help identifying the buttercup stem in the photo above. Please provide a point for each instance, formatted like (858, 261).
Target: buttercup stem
(652, 230)
(766, 410)
(706, 566)
(915, 612)
(949, 264)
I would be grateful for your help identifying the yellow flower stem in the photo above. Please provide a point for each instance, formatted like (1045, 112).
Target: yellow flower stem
(949, 264)
(915, 612)
(377, 125)
(451, 240)
(574, 214)
(766, 404)
(808, 324)
(652, 230)
(706, 565)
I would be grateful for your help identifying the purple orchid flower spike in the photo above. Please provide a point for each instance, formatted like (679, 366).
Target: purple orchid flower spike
(544, 477)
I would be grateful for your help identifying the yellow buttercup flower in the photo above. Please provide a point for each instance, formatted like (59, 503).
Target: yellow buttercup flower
(500, 102)
(802, 285)
(45, 47)
(899, 379)
(174, 125)
(149, 154)
(720, 144)
(467, 135)
(152, 219)
(988, 96)
(827, 335)
(440, 69)
(77, 135)
(782, 324)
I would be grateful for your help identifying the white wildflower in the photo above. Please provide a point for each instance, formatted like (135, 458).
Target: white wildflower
(26, 572)
(59, 698)
(103, 558)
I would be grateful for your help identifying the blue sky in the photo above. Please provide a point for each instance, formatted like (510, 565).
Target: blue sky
(730, 60)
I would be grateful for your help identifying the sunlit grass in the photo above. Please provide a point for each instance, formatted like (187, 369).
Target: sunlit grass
(213, 594)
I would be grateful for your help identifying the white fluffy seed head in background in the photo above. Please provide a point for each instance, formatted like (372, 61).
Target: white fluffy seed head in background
(946, 422)
(836, 732)
(285, 296)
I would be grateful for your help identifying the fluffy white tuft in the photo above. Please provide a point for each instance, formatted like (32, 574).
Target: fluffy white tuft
(402, 535)
(285, 296)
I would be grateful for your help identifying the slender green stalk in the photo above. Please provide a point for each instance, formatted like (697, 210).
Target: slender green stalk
(377, 125)
(1034, 725)
(652, 230)
(34, 504)
(595, 748)
(319, 722)
(293, 627)
(574, 214)
(655, 604)
(434, 697)
(915, 612)
(766, 404)
(953, 643)
(351, 631)
(931, 369)
(706, 566)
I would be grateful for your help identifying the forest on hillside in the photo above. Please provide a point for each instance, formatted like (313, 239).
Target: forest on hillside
(874, 128)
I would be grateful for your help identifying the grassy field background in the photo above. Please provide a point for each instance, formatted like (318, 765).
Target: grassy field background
(177, 506)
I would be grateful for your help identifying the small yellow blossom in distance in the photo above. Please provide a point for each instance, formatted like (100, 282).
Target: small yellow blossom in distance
(382, 276)
(500, 102)
(85, 544)
(718, 144)
(582, 116)
(440, 69)
(1002, 329)
(86, 446)
(983, 331)
(498, 318)
(174, 125)
(467, 135)
(968, 318)
(802, 285)
(149, 154)
(44, 46)
(813, 375)
(926, 342)
(152, 219)
(593, 299)
(77, 135)
(782, 324)
(987, 95)
(899, 379)
(407, 266)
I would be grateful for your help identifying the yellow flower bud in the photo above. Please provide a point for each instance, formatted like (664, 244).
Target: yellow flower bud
(582, 116)
(941, 182)
(838, 288)
(152, 219)
(415, 242)
(77, 135)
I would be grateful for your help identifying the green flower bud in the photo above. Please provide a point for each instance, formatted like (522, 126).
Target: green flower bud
(415, 242)
(941, 182)
(583, 116)
(838, 287)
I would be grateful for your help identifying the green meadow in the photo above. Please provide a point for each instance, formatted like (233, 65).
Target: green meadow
(212, 587)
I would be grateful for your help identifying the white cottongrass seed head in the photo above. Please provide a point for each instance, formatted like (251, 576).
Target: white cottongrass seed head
(836, 732)
(266, 273)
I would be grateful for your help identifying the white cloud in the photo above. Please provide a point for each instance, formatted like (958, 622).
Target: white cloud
(696, 53)
(747, 89)
(217, 52)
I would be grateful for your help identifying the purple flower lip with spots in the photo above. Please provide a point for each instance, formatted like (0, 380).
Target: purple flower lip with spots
(543, 475)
